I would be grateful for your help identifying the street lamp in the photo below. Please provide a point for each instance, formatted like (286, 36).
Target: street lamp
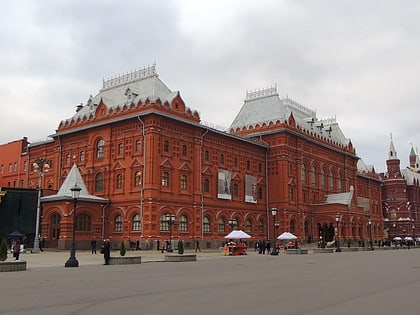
(370, 230)
(170, 218)
(395, 234)
(72, 261)
(337, 219)
(40, 166)
(232, 223)
(274, 213)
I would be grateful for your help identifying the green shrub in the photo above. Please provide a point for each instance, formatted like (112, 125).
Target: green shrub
(122, 249)
(3, 250)
(180, 247)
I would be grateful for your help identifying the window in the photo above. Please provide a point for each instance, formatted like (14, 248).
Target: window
(165, 179)
(83, 223)
(339, 183)
(138, 146)
(82, 156)
(313, 176)
(137, 179)
(222, 159)
(100, 149)
(2, 168)
(206, 186)
(184, 150)
(331, 181)
(259, 167)
(183, 224)
(164, 226)
(206, 156)
(303, 175)
(68, 159)
(235, 190)
(118, 224)
(261, 227)
(15, 167)
(183, 182)
(291, 194)
(260, 193)
(235, 162)
(323, 179)
(99, 182)
(248, 165)
(221, 225)
(292, 226)
(136, 222)
(166, 146)
(120, 181)
(206, 225)
(120, 149)
(248, 227)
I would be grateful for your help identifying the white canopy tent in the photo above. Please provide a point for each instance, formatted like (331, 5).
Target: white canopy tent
(237, 235)
(287, 236)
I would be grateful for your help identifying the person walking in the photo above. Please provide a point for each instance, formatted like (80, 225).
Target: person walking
(197, 247)
(93, 245)
(16, 250)
(106, 250)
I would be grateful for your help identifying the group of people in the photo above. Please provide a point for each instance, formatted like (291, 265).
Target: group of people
(263, 247)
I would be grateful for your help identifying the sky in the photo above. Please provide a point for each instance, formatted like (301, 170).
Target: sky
(357, 61)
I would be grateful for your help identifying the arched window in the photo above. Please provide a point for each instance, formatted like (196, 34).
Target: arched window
(248, 165)
(163, 223)
(206, 185)
(313, 176)
(331, 181)
(206, 156)
(184, 150)
(136, 222)
(165, 179)
(118, 224)
(120, 181)
(292, 226)
(183, 182)
(137, 179)
(206, 225)
(138, 146)
(339, 183)
(68, 159)
(166, 146)
(120, 149)
(221, 225)
(183, 224)
(100, 149)
(99, 182)
(82, 156)
(248, 226)
(235, 162)
(303, 174)
(83, 223)
(261, 227)
(323, 179)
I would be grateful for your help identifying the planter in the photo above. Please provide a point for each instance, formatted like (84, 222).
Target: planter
(180, 258)
(6, 266)
(123, 260)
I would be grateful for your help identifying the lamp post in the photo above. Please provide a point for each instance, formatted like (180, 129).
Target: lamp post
(40, 166)
(232, 223)
(170, 218)
(72, 261)
(337, 219)
(274, 214)
(370, 231)
(394, 226)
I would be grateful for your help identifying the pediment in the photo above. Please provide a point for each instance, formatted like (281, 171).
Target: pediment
(118, 166)
(166, 164)
(207, 171)
(185, 168)
(136, 163)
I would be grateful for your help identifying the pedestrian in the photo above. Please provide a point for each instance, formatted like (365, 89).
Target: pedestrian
(197, 247)
(267, 246)
(16, 250)
(162, 246)
(93, 245)
(106, 250)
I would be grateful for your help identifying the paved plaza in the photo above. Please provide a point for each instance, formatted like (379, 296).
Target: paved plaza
(365, 282)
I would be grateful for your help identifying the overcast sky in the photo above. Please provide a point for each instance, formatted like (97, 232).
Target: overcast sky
(358, 61)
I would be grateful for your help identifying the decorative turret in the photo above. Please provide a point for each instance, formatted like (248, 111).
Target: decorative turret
(393, 163)
(414, 159)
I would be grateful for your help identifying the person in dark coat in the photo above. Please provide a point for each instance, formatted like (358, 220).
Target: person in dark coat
(16, 250)
(93, 245)
(106, 250)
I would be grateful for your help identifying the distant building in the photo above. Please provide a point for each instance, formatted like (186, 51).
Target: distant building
(143, 158)
(401, 196)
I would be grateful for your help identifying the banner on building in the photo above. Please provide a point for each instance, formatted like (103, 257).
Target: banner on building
(250, 189)
(223, 185)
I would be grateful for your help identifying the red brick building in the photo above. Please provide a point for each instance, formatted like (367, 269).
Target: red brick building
(141, 155)
(401, 196)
